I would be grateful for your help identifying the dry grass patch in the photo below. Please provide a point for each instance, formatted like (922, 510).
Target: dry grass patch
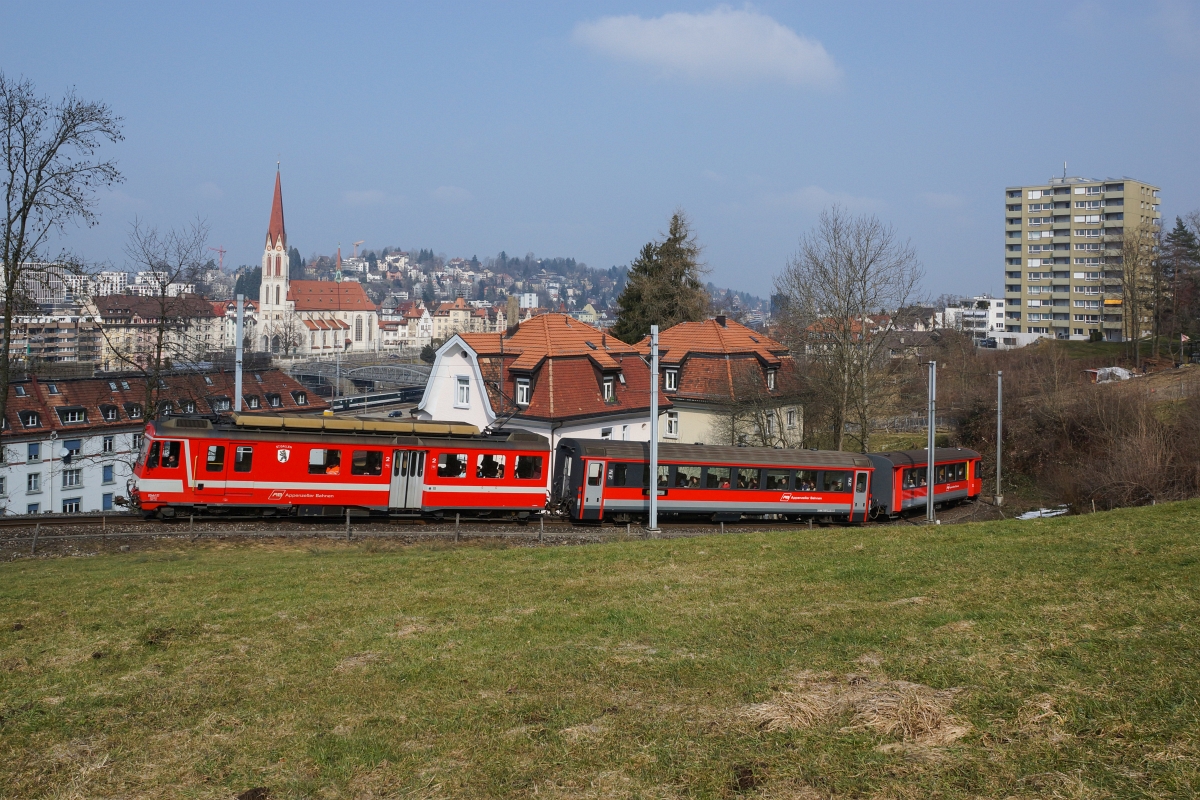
(911, 712)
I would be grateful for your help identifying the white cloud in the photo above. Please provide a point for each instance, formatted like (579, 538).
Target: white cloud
(723, 44)
(815, 198)
(452, 195)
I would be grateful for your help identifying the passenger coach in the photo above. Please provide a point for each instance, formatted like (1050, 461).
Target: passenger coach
(598, 479)
(901, 483)
(313, 466)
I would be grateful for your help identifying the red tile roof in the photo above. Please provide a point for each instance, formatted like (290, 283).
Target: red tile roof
(124, 395)
(329, 296)
(566, 362)
(722, 362)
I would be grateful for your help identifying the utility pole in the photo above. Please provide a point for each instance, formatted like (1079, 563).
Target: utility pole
(999, 498)
(930, 516)
(237, 361)
(653, 529)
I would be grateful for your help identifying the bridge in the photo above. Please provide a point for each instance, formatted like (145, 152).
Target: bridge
(375, 374)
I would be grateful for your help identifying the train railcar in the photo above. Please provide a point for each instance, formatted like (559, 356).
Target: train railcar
(317, 466)
(598, 479)
(900, 481)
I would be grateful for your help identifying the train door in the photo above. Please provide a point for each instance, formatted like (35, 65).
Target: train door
(408, 478)
(593, 490)
(860, 495)
(209, 464)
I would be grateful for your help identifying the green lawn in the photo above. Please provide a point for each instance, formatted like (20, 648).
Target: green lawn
(751, 665)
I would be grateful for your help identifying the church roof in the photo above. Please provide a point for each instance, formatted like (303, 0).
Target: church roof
(275, 231)
(329, 296)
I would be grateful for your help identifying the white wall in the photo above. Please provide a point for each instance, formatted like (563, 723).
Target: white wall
(92, 489)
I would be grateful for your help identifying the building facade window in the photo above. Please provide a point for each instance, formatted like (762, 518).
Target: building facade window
(606, 433)
(771, 380)
(3, 486)
(358, 329)
(671, 380)
(523, 391)
(72, 478)
(106, 502)
(608, 389)
(791, 418)
(35, 451)
(33, 483)
(672, 425)
(71, 505)
(108, 474)
(462, 392)
(32, 508)
(135, 441)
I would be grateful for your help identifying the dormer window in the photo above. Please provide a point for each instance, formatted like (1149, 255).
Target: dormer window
(166, 408)
(30, 419)
(608, 389)
(523, 391)
(671, 380)
(109, 413)
(301, 398)
(252, 401)
(220, 404)
(72, 415)
(188, 406)
(771, 380)
(274, 400)
(134, 410)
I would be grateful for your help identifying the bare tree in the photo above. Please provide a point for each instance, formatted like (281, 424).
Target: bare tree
(847, 270)
(286, 334)
(168, 328)
(755, 415)
(50, 180)
(1134, 250)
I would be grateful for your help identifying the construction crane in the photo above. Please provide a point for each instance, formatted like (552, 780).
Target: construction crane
(220, 250)
(356, 244)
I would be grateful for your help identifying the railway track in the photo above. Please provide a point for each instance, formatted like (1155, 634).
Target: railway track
(16, 533)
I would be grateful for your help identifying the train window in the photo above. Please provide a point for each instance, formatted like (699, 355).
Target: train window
(806, 480)
(618, 474)
(489, 466)
(170, 454)
(939, 473)
(324, 462)
(860, 485)
(216, 458)
(960, 471)
(716, 478)
(529, 468)
(243, 458)
(452, 465)
(594, 470)
(777, 479)
(914, 478)
(747, 478)
(664, 476)
(836, 481)
(366, 462)
(152, 456)
(687, 477)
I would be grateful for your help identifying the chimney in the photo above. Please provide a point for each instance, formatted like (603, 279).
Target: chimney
(513, 314)
(721, 320)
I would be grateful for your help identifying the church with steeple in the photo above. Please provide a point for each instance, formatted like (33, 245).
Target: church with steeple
(309, 317)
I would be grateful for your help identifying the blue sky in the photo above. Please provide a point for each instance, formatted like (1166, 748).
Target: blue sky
(575, 129)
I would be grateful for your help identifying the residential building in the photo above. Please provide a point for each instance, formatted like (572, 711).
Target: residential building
(980, 317)
(309, 317)
(551, 375)
(68, 446)
(728, 385)
(226, 311)
(155, 284)
(55, 338)
(1062, 264)
(130, 327)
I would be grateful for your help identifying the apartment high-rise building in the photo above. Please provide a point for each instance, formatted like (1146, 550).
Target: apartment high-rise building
(1062, 254)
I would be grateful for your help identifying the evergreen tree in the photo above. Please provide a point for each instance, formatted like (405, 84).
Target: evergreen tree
(664, 285)
(248, 283)
(1181, 272)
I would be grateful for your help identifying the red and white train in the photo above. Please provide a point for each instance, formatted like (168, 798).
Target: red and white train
(328, 466)
(600, 479)
(317, 466)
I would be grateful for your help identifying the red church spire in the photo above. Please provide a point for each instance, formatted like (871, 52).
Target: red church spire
(276, 232)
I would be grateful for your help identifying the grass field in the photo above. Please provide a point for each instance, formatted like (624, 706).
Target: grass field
(1053, 658)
